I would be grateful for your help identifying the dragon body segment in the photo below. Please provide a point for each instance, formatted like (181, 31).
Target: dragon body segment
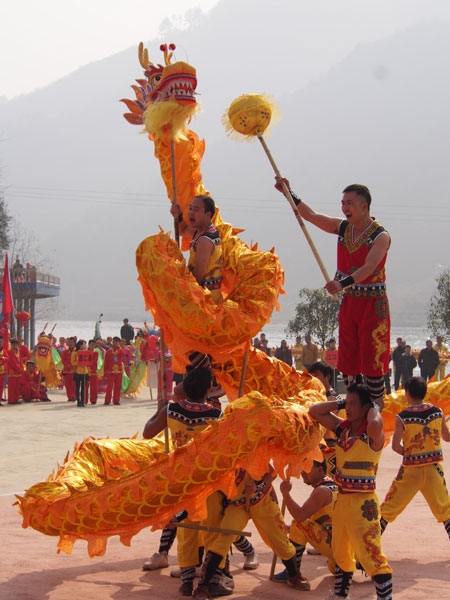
(118, 487)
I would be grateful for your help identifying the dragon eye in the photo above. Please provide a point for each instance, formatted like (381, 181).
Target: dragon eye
(156, 78)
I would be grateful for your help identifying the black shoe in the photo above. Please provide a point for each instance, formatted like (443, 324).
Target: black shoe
(81, 404)
(186, 588)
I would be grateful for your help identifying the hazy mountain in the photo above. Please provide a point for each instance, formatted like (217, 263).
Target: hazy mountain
(88, 184)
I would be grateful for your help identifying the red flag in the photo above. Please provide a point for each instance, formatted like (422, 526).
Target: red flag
(7, 305)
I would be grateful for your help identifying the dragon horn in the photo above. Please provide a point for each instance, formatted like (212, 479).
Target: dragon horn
(143, 56)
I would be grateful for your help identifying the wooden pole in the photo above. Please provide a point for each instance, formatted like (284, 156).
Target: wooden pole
(274, 559)
(163, 403)
(174, 190)
(288, 195)
(214, 529)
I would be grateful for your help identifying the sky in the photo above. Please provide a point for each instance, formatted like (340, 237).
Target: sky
(41, 41)
(302, 52)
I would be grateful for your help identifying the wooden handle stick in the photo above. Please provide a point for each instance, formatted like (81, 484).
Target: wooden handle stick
(214, 529)
(163, 403)
(174, 190)
(288, 195)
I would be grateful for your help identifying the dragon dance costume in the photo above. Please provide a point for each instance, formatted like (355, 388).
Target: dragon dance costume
(364, 321)
(420, 470)
(356, 524)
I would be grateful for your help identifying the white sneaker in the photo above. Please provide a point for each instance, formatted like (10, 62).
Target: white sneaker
(227, 581)
(159, 560)
(251, 562)
(177, 572)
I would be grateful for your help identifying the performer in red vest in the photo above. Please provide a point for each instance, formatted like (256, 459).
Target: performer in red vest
(92, 383)
(15, 370)
(364, 321)
(113, 366)
(68, 369)
(3, 366)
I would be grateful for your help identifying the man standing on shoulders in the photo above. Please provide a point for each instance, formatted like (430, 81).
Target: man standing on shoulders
(127, 332)
(428, 361)
(356, 514)
(442, 350)
(113, 367)
(364, 321)
(205, 260)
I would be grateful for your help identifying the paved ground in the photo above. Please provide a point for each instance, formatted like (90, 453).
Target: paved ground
(35, 437)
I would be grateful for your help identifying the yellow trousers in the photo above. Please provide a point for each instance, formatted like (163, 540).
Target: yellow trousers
(268, 521)
(440, 372)
(314, 533)
(356, 531)
(190, 540)
(428, 479)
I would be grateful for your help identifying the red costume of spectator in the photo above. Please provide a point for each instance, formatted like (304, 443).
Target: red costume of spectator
(364, 321)
(15, 370)
(24, 353)
(3, 368)
(31, 386)
(92, 383)
(113, 372)
(68, 371)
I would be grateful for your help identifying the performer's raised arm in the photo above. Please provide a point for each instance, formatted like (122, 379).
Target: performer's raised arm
(324, 222)
(323, 412)
(375, 428)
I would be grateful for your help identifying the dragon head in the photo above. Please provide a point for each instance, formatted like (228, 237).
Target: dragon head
(173, 82)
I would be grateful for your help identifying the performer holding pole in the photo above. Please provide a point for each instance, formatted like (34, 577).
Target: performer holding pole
(364, 324)
(185, 418)
(364, 321)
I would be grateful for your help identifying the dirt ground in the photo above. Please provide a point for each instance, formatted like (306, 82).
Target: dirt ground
(36, 436)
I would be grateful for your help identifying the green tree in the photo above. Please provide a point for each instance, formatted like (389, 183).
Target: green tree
(439, 310)
(316, 314)
(5, 222)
